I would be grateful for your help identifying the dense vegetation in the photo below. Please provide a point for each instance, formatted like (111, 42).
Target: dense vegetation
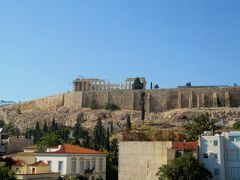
(185, 167)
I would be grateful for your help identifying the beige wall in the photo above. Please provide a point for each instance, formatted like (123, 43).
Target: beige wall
(158, 100)
(141, 160)
(17, 144)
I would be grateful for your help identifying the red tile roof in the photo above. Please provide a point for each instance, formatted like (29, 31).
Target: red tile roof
(39, 163)
(19, 163)
(188, 146)
(71, 149)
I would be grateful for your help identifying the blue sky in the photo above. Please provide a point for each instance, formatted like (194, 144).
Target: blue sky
(45, 44)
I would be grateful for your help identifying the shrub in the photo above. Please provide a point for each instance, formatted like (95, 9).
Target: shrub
(94, 105)
(111, 106)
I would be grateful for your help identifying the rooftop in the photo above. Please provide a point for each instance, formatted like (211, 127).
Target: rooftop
(72, 149)
(188, 146)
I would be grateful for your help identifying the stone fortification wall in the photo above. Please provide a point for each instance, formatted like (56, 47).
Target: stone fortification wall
(159, 100)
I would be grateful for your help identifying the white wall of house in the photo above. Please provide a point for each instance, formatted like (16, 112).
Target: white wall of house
(228, 154)
(72, 163)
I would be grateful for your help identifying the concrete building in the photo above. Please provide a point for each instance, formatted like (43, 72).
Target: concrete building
(36, 170)
(73, 160)
(140, 160)
(221, 154)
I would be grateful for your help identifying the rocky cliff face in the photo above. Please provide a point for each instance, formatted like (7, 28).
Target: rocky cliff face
(26, 115)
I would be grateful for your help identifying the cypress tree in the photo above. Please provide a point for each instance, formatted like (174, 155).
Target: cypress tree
(107, 143)
(37, 133)
(76, 132)
(45, 127)
(99, 135)
(129, 124)
(142, 105)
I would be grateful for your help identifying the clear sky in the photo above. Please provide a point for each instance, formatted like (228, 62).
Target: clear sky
(45, 44)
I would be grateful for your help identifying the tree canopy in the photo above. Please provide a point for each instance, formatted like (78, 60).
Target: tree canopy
(185, 167)
(198, 125)
(137, 84)
(49, 139)
(6, 173)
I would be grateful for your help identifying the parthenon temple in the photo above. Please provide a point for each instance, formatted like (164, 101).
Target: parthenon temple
(82, 84)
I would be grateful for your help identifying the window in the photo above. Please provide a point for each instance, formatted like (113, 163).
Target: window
(205, 155)
(215, 142)
(73, 165)
(215, 155)
(216, 172)
(237, 138)
(93, 164)
(49, 164)
(93, 178)
(231, 138)
(81, 165)
(87, 165)
(60, 166)
(100, 165)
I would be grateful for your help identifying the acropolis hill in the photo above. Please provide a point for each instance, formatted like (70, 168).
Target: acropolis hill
(164, 107)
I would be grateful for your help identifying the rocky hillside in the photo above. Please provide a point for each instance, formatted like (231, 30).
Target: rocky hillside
(27, 114)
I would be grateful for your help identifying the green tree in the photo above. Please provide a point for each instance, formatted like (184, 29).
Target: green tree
(107, 143)
(64, 134)
(111, 169)
(236, 125)
(45, 127)
(142, 103)
(49, 139)
(2, 122)
(137, 84)
(99, 135)
(185, 167)
(198, 125)
(76, 132)
(38, 132)
(6, 173)
(114, 151)
(156, 86)
(54, 126)
(129, 124)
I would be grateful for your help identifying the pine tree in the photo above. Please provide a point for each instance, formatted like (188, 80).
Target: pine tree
(37, 133)
(76, 132)
(111, 127)
(137, 84)
(54, 126)
(142, 103)
(129, 124)
(45, 127)
(99, 135)
(156, 86)
(107, 143)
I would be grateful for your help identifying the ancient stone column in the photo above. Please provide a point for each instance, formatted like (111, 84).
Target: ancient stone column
(83, 86)
(203, 100)
(227, 99)
(198, 101)
(191, 100)
(179, 100)
(215, 101)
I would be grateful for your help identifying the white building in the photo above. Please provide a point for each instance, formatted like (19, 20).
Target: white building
(73, 160)
(221, 154)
